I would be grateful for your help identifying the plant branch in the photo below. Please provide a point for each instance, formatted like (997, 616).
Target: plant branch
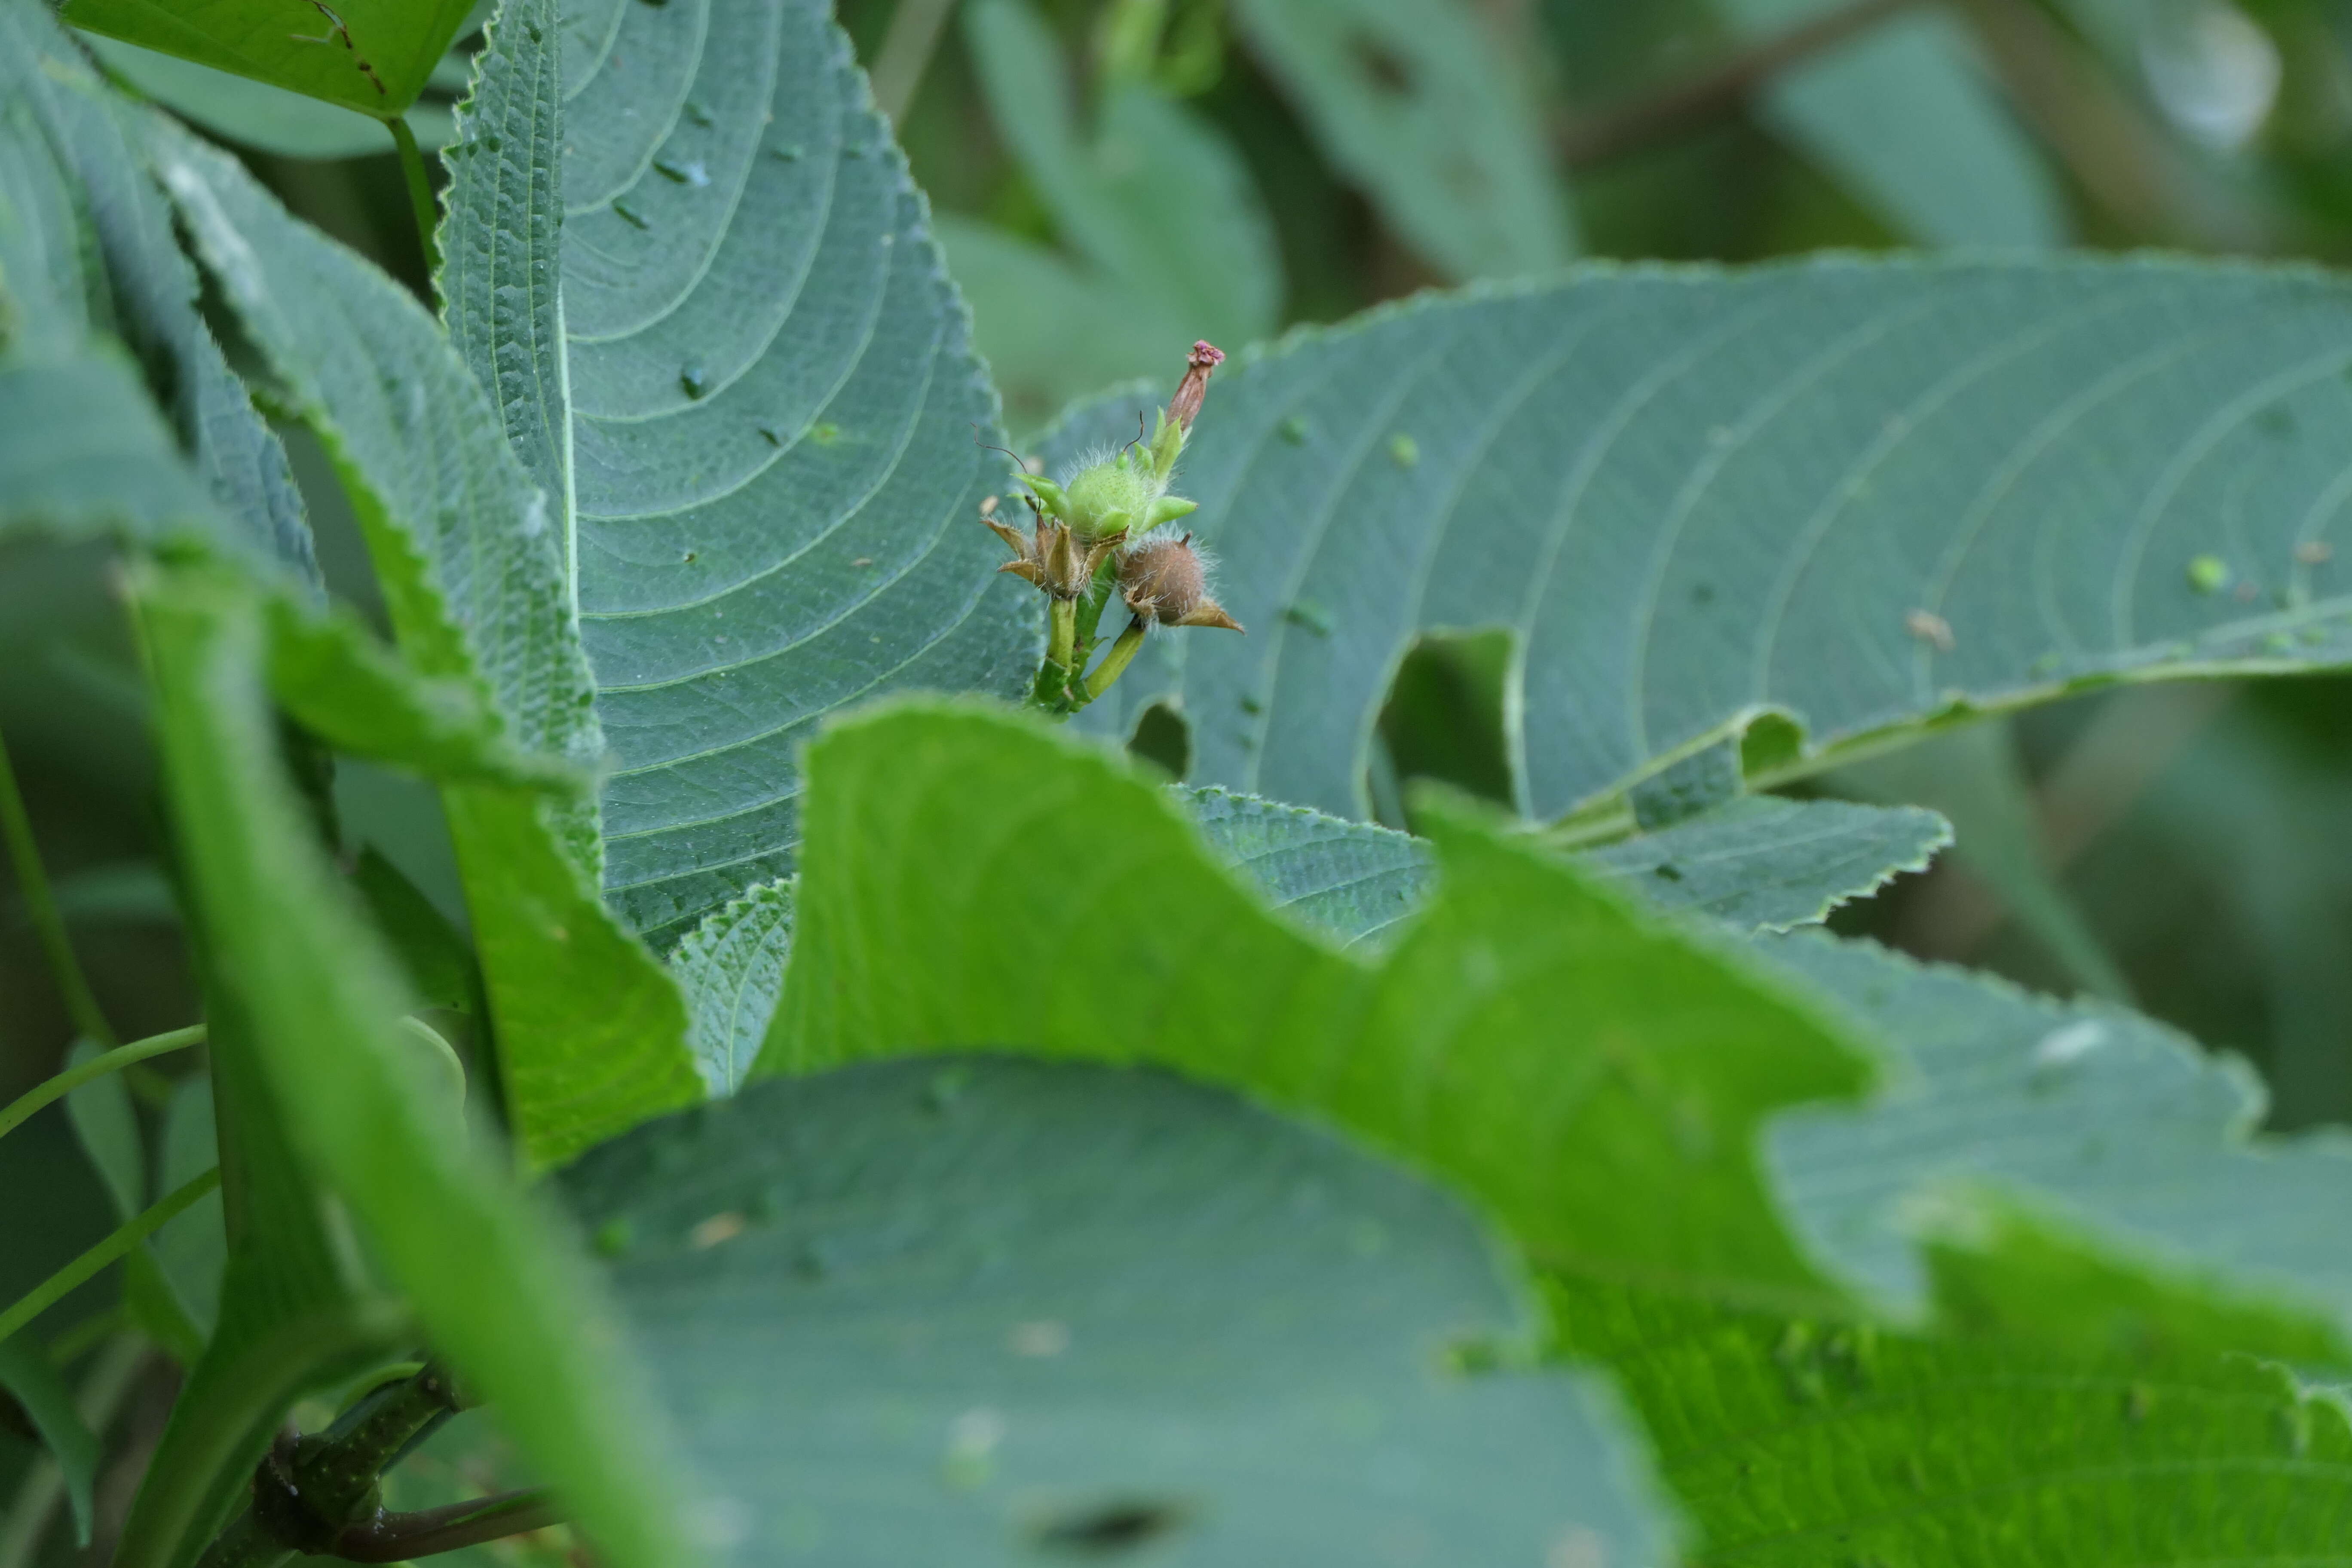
(64, 1083)
(397, 1537)
(420, 193)
(41, 906)
(1612, 132)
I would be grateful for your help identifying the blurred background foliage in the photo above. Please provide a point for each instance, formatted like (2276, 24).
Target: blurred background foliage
(1114, 178)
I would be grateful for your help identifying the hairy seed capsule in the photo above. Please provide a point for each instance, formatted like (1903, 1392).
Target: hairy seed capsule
(1164, 579)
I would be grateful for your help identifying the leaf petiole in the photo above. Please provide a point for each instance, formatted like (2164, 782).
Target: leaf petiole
(65, 1082)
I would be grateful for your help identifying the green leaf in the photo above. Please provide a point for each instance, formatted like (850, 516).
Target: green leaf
(1696, 497)
(329, 674)
(107, 1131)
(84, 455)
(1024, 1313)
(732, 967)
(2015, 1114)
(1906, 117)
(1418, 103)
(751, 401)
(148, 293)
(373, 56)
(592, 1034)
(493, 1285)
(255, 114)
(192, 1250)
(2109, 1123)
(1532, 1038)
(1760, 863)
(1793, 1443)
(1975, 777)
(1175, 243)
(28, 1373)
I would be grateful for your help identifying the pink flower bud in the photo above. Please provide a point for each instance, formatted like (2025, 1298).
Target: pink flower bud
(1185, 406)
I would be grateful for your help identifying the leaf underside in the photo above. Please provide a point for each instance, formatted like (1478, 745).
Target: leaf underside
(1860, 492)
(1024, 1313)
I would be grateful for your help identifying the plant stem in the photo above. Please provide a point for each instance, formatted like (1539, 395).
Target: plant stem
(125, 1237)
(41, 906)
(1062, 622)
(420, 193)
(65, 1082)
(1122, 653)
(397, 1537)
(1623, 128)
(907, 50)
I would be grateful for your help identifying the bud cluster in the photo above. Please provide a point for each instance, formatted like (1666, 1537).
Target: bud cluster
(1089, 539)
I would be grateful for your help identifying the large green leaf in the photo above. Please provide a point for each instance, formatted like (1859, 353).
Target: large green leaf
(373, 56)
(592, 1033)
(140, 282)
(1594, 1077)
(1793, 1443)
(1906, 117)
(1170, 238)
(1419, 104)
(2113, 1122)
(1031, 1313)
(496, 1289)
(2016, 1118)
(1759, 863)
(745, 385)
(1856, 492)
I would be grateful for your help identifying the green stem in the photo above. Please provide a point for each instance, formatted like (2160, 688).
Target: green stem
(397, 1537)
(1063, 623)
(41, 906)
(49, 1291)
(420, 193)
(121, 1057)
(1122, 654)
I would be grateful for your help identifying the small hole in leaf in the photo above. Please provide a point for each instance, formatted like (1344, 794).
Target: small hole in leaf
(1163, 739)
(1112, 1529)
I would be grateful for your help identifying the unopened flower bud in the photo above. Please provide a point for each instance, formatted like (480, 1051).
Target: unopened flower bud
(1164, 579)
(1185, 406)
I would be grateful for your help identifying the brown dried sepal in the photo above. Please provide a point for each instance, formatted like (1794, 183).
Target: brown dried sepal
(1051, 558)
(1163, 580)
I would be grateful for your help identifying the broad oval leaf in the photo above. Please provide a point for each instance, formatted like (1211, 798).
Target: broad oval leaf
(996, 1311)
(748, 379)
(1862, 493)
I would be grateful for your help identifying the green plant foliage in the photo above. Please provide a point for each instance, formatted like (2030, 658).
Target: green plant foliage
(490, 1281)
(1533, 1038)
(1416, 103)
(331, 675)
(732, 967)
(2125, 1126)
(1694, 496)
(146, 287)
(373, 55)
(256, 114)
(1759, 863)
(1795, 1442)
(592, 1033)
(1172, 241)
(1022, 1313)
(83, 454)
(27, 1374)
(757, 431)
(1973, 776)
(1905, 116)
